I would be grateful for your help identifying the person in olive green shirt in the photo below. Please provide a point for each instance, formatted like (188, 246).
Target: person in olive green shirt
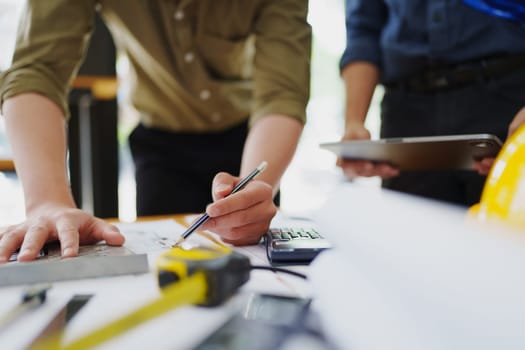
(224, 83)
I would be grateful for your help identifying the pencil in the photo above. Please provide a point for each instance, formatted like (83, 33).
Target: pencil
(205, 217)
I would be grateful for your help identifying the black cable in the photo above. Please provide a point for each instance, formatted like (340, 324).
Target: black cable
(278, 269)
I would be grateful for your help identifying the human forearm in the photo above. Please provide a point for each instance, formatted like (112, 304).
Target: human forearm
(273, 138)
(243, 217)
(37, 134)
(360, 80)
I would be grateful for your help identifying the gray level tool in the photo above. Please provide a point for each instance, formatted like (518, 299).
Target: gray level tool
(31, 299)
(98, 260)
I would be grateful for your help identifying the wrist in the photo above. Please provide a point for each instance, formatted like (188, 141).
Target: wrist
(355, 130)
(355, 119)
(349, 121)
(38, 201)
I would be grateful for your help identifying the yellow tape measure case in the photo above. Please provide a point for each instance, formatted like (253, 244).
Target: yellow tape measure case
(225, 270)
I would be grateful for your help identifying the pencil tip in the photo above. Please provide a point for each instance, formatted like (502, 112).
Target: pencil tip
(178, 242)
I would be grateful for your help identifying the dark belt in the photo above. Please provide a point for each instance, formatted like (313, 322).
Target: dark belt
(454, 76)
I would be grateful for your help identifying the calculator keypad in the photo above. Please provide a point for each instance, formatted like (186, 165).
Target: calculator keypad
(287, 234)
(294, 245)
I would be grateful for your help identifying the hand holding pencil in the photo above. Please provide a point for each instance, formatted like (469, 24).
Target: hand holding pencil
(242, 209)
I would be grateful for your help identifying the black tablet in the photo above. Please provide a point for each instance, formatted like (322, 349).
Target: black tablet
(421, 153)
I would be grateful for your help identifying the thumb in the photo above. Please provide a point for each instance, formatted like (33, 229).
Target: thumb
(223, 184)
(518, 120)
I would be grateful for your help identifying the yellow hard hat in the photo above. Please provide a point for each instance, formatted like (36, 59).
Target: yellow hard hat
(503, 197)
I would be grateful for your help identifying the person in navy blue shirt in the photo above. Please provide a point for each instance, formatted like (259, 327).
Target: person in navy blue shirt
(447, 69)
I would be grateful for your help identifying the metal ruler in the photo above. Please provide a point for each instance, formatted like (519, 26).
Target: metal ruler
(93, 261)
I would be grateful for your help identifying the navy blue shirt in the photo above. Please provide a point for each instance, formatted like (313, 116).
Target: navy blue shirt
(403, 36)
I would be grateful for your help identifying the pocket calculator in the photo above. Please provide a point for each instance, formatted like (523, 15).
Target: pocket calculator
(294, 246)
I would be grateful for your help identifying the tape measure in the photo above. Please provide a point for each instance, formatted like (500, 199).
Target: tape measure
(202, 276)
(224, 270)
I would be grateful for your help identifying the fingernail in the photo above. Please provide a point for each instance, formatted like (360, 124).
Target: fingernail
(67, 251)
(222, 188)
(24, 251)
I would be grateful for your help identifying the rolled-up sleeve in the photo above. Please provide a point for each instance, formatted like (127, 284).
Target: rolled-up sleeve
(282, 60)
(51, 42)
(364, 23)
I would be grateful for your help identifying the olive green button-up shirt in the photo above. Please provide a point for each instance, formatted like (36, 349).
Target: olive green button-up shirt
(196, 65)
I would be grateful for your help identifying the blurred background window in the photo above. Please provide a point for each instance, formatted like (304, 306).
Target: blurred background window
(313, 174)
(9, 14)
(11, 198)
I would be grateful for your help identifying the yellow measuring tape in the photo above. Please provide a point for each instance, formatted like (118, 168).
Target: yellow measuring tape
(197, 277)
(190, 291)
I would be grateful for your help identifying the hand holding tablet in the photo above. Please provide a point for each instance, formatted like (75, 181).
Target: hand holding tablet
(420, 153)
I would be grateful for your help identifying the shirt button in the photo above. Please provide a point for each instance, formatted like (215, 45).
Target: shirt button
(189, 57)
(179, 15)
(216, 117)
(205, 94)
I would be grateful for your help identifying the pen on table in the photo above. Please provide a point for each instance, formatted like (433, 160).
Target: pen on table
(205, 216)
